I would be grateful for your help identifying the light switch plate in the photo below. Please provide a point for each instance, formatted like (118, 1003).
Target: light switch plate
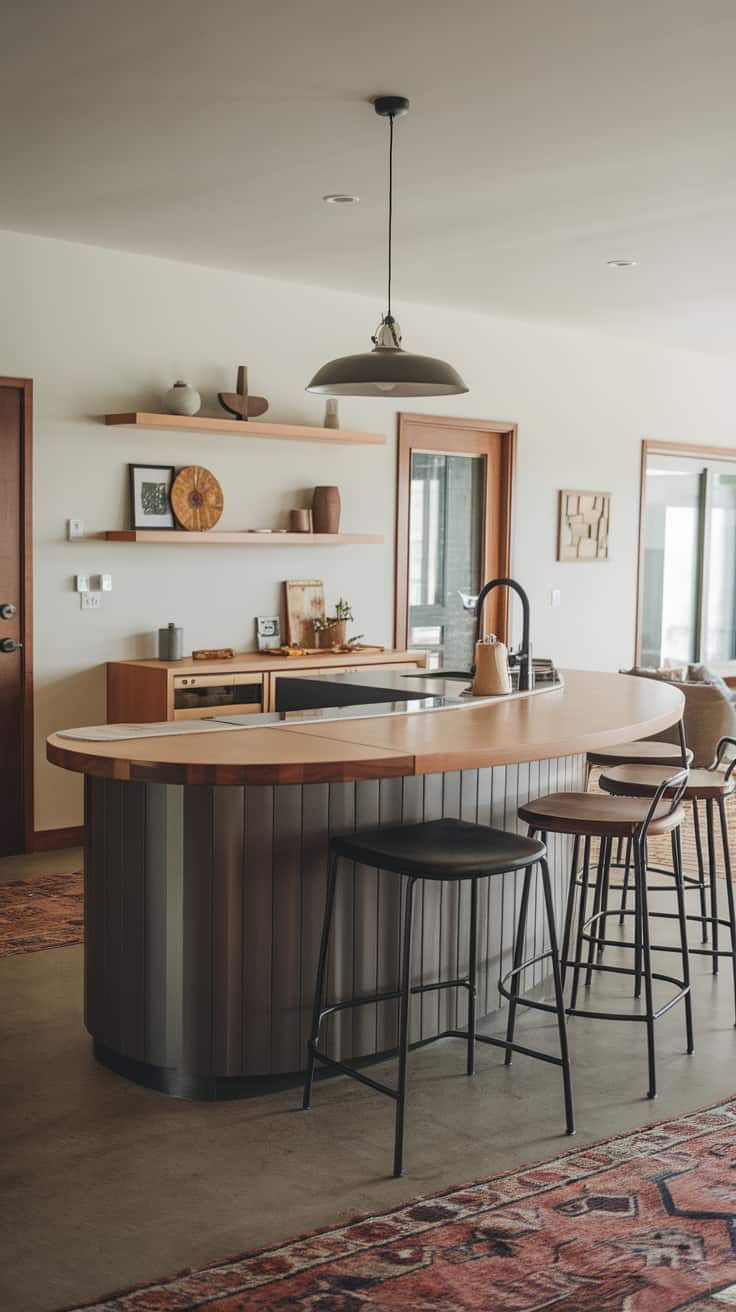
(554, 597)
(102, 582)
(81, 582)
(90, 601)
(74, 529)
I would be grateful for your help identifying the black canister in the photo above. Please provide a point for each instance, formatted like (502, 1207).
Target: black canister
(170, 643)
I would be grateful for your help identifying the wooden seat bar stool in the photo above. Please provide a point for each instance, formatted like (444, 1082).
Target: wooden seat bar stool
(449, 850)
(708, 788)
(585, 816)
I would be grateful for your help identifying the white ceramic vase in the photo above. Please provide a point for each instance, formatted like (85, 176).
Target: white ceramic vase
(181, 399)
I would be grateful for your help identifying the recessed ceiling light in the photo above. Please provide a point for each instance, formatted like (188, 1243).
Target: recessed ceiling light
(620, 264)
(340, 198)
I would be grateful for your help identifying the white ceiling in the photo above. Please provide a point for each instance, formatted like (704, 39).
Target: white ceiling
(546, 137)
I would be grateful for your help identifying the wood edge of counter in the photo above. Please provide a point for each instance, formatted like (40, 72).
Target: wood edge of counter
(389, 764)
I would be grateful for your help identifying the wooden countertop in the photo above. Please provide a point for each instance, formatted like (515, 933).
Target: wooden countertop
(258, 661)
(592, 711)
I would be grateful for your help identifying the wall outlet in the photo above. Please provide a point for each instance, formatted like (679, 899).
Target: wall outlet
(81, 582)
(554, 597)
(90, 601)
(74, 529)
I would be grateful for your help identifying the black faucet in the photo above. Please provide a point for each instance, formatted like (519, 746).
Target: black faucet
(522, 657)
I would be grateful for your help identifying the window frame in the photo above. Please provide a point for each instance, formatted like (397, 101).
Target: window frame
(687, 449)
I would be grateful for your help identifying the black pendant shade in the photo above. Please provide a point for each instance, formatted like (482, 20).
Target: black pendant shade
(387, 370)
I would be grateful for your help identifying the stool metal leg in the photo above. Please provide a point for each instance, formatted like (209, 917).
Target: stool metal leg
(404, 1028)
(713, 882)
(729, 888)
(570, 908)
(518, 958)
(638, 948)
(640, 869)
(682, 917)
(701, 869)
(320, 985)
(601, 926)
(625, 889)
(581, 922)
(559, 997)
(472, 973)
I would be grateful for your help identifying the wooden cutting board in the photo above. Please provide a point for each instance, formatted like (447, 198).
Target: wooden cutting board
(196, 498)
(305, 601)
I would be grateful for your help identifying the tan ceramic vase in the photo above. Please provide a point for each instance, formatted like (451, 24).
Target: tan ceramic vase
(326, 510)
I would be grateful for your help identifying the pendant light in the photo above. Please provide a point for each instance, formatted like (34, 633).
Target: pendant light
(387, 370)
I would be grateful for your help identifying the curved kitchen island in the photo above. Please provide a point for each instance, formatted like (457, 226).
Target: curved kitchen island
(205, 864)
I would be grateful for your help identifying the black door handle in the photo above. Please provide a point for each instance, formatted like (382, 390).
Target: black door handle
(7, 610)
(9, 645)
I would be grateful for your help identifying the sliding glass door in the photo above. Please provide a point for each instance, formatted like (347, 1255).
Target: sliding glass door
(688, 568)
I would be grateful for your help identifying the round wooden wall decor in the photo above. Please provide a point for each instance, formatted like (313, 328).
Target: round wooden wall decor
(196, 498)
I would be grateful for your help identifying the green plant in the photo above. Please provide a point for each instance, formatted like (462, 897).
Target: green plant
(343, 611)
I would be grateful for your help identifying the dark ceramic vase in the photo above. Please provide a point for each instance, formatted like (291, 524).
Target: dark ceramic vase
(326, 510)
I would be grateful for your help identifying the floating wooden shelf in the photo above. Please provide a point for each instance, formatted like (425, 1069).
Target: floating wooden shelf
(242, 428)
(175, 538)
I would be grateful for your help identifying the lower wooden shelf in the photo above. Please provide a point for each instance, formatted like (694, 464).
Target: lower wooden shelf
(176, 538)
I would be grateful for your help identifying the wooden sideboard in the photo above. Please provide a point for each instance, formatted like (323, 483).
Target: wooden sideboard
(142, 691)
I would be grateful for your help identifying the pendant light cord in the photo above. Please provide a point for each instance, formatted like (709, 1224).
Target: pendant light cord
(390, 203)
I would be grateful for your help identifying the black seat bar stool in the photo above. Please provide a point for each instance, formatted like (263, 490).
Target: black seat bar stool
(709, 788)
(594, 815)
(450, 850)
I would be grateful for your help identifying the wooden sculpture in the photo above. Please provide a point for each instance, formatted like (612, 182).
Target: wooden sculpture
(239, 403)
(196, 498)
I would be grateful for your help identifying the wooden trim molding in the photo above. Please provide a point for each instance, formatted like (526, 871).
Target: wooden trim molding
(25, 387)
(666, 449)
(497, 442)
(52, 840)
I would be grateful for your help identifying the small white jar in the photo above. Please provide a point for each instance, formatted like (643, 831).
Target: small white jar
(181, 399)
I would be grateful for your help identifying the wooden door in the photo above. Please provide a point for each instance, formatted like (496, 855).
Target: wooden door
(16, 708)
(471, 537)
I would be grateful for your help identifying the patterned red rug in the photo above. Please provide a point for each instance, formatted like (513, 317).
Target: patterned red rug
(645, 1222)
(41, 913)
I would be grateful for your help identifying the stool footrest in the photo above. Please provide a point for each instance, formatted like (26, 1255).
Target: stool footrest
(392, 995)
(507, 1046)
(353, 1072)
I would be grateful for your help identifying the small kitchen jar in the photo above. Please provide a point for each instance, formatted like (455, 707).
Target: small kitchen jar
(170, 643)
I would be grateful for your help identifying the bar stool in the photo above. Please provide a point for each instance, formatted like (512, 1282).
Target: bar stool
(646, 751)
(592, 815)
(709, 788)
(451, 850)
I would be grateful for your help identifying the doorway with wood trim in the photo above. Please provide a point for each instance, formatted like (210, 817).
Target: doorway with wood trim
(16, 617)
(453, 531)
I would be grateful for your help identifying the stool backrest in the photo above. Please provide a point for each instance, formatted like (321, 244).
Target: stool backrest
(676, 783)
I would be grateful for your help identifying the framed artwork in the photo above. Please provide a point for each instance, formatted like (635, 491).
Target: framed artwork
(268, 631)
(150, 501)
(583, 525)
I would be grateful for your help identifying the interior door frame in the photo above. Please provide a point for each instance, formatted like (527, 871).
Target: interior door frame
(25, 599)
(665, 449)
(496, 546)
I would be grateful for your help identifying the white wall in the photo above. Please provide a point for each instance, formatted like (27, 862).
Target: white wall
(102, 331)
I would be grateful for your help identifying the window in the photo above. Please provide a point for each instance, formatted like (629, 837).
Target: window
(688, 557)
(453, 532)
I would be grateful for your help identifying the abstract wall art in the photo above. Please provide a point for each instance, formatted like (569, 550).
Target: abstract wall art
(583, 525)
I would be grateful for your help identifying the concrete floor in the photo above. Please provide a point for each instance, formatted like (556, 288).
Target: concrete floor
(103, 1183)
